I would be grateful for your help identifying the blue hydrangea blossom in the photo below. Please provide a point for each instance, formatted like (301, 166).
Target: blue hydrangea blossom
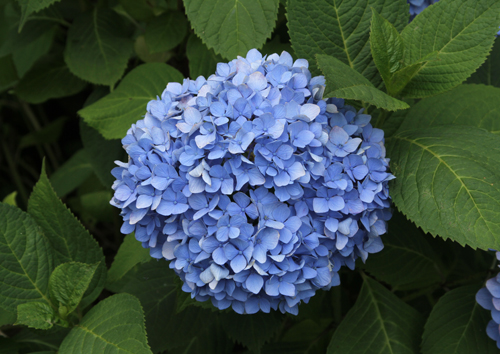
(489, 298)
(254, 187)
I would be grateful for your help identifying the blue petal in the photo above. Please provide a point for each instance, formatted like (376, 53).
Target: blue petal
(238, 263)
(254, 283)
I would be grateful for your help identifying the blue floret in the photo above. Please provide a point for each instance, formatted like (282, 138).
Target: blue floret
(254, 187)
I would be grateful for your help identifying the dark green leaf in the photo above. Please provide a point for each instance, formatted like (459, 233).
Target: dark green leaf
(27, 55)
(30, 6)
(129, 254)
(39, 315)
(114, 325)
(276, 46)
(251, 330)
(7, 317)
(101, 153)
(340, 28)
(155, 286)
(139, 9)
(71, 174)
(202, 61)
(344, 82)
(8, 76)
(232, 27)
(489, 72)
(48, 134)
(70, 240)
(67, 284)
(408, 260)
(113, 115)
(378, 323)
(462, 33)
(387, 47)
(165, 32)
(97, 48)
(473, 105)
(144, 53)
(27, 259)
(447, 182)
(48, 79)
(457, 325)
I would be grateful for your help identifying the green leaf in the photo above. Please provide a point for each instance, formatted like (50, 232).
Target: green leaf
(143, 52)
(408, 261)
(10, 199)
(48, 79)
(129, 254)
(251, 330)
(71, 174)
(154, 284)
(114, 325)
(7, 317)
(166, 32)
(67, 284)
(472, 105)
(447, 182)
(97, 48)
(462, 33)
(232, 27)
(101, 153)
(387, 47)
(344, 82)
(457, 325)
(113, 115)
(70, 240)
(489, 72)
(8, 76)
(27, 55)
(37, 315)
(276, 46)
(30, 6)
(202, 61)
(27, 259)
(139, 9)
(48, 134)
(378, 323)
(340, 28)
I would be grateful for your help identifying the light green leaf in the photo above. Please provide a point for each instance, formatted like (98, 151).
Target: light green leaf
(202, 61)
(461, 32)
(129, 254)
(30, 6)
(457, 325)
(473, 105)
(344, 82)
(8, 76)
(97, 48)
(27, 55)
(447, 182)
(378, 323)
(166, 32)
(408, 261)
(27, 259)
(114, 325)
(37, 315)
(251, 330)
(489, 72)
(71, 174)
(70, 240)
(67, 284)
(10, 199)
(113, 115)
(340, 28)
(155, 285)
(48, 79)
(232, 27)
(387, 47)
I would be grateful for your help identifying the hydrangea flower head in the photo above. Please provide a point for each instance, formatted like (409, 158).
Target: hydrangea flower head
(254, 187)
(489, 298)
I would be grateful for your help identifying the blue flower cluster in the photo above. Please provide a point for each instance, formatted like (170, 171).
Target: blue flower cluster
(254, 187)
(489, 298)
